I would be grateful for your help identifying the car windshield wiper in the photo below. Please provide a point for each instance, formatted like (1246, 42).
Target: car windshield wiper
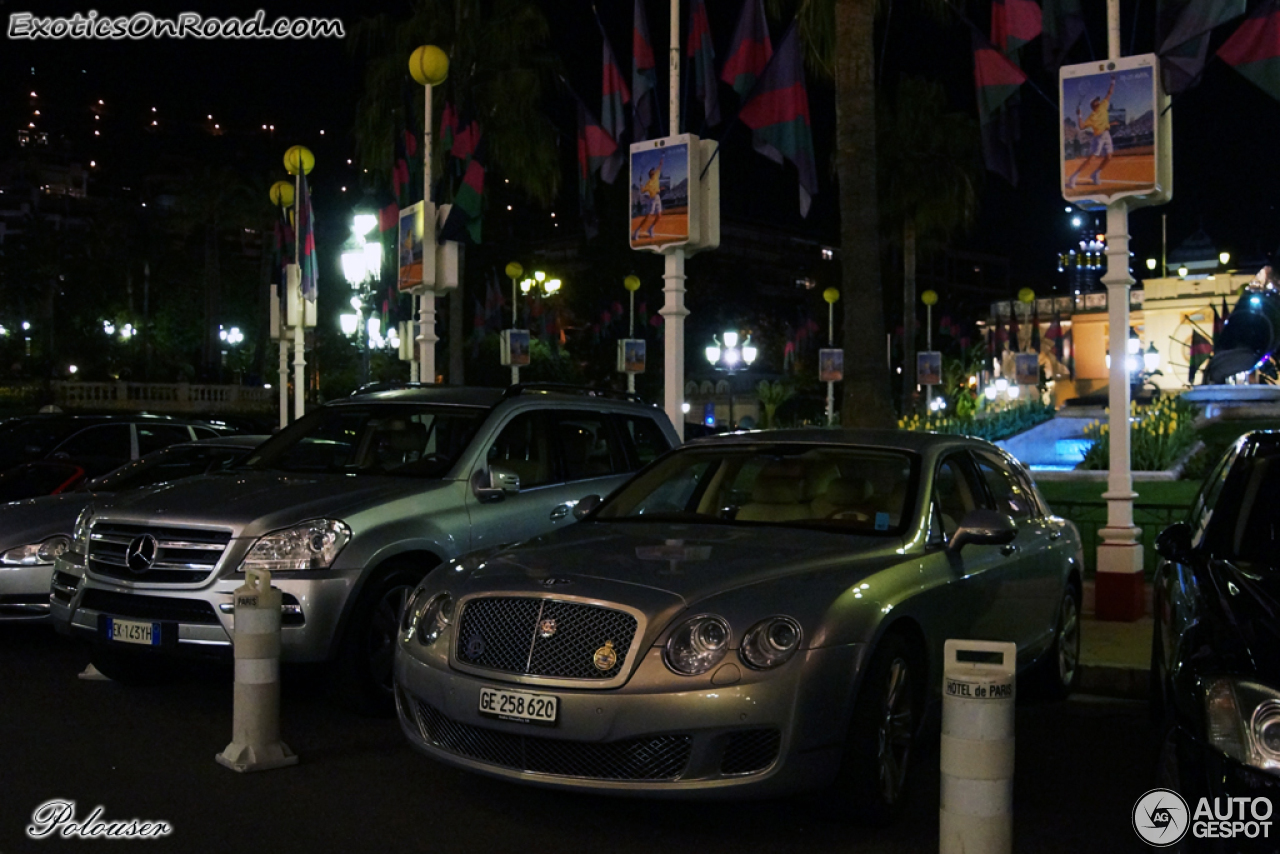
(680, 516)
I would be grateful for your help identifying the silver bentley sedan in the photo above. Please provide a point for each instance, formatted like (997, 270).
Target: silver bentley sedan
(754, 614)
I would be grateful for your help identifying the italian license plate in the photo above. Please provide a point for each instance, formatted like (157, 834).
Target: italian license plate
(132, 631)
(519, 706)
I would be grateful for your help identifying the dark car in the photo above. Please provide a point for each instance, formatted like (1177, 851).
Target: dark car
(1216, 645)
(97, 443)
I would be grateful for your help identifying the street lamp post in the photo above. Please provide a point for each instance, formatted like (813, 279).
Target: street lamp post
(832, 296)
(632, 284)
(429, 66)
(730, 358)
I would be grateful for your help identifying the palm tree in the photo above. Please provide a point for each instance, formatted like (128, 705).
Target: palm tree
(499, 69)
(840, 41)
(929, 174)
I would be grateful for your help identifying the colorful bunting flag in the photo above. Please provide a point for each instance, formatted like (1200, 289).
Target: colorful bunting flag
(1014, 23)
(595, 147)
(644, 80)
(465, 215)
(614, 95)
(778, 115)
(1201, 350)
(1014, 331)
(996, 80)
(306, 232)
(751, 49)
(1183, 27)
(702, 58)
(1063, 25)
(1254, 49)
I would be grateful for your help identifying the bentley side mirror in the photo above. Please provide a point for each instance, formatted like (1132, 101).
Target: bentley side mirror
(1174, 543)
(983, 527)
(494, 484)
(585, 506)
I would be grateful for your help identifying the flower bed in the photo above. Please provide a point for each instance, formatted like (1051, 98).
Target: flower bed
(1159, 436)
(989, 425)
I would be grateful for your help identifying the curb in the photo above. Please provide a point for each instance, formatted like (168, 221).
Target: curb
(1105, 680)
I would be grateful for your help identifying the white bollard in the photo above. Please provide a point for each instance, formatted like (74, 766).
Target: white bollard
(255, 721)
(977, 747)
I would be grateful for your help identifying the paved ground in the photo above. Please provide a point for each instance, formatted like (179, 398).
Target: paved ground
(149, 753)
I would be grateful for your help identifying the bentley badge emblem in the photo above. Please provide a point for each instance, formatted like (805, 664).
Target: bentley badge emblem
(547, 628)
(141, 554)
(605, 657)
(475, 647)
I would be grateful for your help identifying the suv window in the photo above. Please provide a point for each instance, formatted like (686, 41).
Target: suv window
(645, 439)
(1009, 494)
(105, 440)
(153, 437)
(589, 445)
(524, 447)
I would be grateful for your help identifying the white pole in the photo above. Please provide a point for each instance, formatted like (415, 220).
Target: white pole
(427, 299)
(631, 377)
(284, 374)
(831, 386)
(1120, 589)
(515, 324)
(673, 309)
(928, 345)
(300, 330)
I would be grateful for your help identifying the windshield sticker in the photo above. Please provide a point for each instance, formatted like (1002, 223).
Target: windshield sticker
(882, 521)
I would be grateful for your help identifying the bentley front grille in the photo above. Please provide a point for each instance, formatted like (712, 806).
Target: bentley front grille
(146, 554)
(655, 758)
(544, 637)
(749, 751)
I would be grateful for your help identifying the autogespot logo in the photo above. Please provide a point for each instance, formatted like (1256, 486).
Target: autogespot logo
(1160, 818)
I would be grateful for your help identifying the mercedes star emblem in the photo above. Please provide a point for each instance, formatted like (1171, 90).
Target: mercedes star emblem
(141, 554)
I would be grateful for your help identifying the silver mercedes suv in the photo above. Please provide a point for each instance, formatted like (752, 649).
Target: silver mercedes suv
(349, 508)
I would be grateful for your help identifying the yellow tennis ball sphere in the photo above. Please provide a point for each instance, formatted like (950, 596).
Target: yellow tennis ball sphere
(282, 194)
(831, 295)
(1026, 295)
(631, 283)
(514, 270)
(429, 65)
(929, 298)
(299, 154)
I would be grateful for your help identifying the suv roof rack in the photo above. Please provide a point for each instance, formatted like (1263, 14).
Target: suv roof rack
(567, 388)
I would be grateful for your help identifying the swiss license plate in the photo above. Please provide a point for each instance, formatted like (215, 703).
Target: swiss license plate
(132, 631)
(519, 706)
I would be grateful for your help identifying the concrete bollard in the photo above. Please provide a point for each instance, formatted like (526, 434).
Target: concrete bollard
(255, 721)
(977, 747)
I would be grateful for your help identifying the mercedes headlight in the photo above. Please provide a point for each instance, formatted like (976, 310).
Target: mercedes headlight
(1244, 722)
(80, 534)
(435, 614)
(36, 554)
(311, 545)
(697, 645)
(770, 643)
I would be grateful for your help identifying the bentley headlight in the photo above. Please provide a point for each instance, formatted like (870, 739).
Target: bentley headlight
(1244, 722)
(311, 545)
(697, 645)
(770, 643)
(436, 614)
(80, 534)
(36, 554)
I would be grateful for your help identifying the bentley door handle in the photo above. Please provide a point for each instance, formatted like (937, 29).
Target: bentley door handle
(1008, 549)
(560, 511)
(1055, 535)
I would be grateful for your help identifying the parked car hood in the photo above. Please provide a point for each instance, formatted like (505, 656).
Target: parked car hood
(252, 502)
(687, 563)
(33, 519)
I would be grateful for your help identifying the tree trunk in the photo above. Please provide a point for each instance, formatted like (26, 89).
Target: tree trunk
(867, 398)
(908, 313)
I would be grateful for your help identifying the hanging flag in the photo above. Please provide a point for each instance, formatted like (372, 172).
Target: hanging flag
(1014, 330)
(1035, 330)
(283, 244)
(465, 139)
(595, 147)
(1013, 24)
(996, 80)
(448, 126)
(751, 49)
(1183, 28)
(306, 233)
(464, 216)
(702, 57)
(1054, 334)
(1063, 25)
(1217, 323)
(644, 80)
(614, 96)
(1201, 350)
(1254, 49)
(778, 114)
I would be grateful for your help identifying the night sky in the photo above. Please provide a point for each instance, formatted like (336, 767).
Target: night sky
(1224, 130)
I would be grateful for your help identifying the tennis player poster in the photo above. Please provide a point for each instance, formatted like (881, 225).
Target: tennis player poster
(1111, 129)
(664, 198)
